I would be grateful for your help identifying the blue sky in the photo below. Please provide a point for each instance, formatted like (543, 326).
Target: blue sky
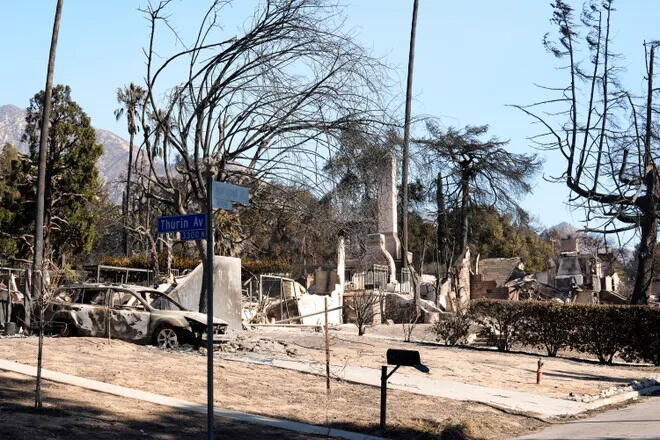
(472, 59)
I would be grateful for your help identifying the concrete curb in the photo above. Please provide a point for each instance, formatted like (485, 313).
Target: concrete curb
(158, 399)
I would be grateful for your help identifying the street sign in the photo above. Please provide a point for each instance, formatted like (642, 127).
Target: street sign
(199, 234)
(190, 227)
(226, 194)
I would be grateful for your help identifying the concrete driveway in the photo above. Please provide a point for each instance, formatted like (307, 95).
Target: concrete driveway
(638, 421)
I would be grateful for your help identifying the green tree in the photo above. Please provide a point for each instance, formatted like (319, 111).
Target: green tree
(72, 181)
(498, 235)
(9, 199)
(357, 168)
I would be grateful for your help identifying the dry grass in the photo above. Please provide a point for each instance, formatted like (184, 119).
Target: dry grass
(512, 371)
(73, 413)
(264, 390)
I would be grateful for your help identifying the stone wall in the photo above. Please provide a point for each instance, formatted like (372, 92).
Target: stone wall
(480, 288)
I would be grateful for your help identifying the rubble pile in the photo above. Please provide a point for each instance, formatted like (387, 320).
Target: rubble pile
(250, 344)
(635, 385)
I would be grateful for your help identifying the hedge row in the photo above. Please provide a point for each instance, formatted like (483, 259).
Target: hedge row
(142, 261)
(633, 332)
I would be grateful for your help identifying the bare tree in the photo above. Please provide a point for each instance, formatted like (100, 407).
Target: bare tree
(265, 105)
(606, 135)
(365, 305)
(411, 318)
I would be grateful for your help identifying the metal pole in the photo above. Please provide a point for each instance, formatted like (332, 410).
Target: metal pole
(209, 302)
(327, 348)
(281, 321)
(383, 397)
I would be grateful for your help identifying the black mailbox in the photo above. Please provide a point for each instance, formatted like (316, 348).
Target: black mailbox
(400, 358)
(405, 358)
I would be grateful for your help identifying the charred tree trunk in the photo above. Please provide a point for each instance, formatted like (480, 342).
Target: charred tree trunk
(168, 250)
(153, 248)
(645, 258)
(201, 249)
(127, 202)
(465, 213)
(649, 221)
(443, 228)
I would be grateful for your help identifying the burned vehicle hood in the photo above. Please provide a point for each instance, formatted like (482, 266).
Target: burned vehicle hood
(201, 318)
(195, 316)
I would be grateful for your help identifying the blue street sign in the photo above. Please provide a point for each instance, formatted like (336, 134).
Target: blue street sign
(191, 226)
(225, 194)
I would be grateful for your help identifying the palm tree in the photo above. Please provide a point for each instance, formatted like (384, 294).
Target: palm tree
(37, 262)
(131, 97)
(405, 152)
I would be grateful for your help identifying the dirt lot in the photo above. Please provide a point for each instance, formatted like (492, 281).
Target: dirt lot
(513, 371)
(73, 413)
(259, 390)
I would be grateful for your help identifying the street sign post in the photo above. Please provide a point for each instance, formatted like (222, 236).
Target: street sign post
(220, 195)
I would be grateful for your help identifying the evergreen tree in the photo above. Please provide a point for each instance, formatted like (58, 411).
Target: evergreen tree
(72, 181)
(9, 199)
(478, 172)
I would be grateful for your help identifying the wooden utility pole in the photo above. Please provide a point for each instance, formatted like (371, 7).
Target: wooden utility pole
(406, 147)
(37, 262)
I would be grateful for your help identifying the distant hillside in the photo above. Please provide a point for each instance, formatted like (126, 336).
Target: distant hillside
(115, 149)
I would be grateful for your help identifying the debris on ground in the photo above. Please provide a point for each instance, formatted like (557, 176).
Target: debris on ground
(635, 385)
(250, 343)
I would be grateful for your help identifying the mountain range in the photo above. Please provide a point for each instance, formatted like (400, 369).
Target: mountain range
(115, 149)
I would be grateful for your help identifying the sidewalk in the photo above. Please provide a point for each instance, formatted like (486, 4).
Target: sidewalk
(181, 404)
(640, 421)
(511, 400)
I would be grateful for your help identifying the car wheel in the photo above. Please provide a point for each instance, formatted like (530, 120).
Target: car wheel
(166, 337)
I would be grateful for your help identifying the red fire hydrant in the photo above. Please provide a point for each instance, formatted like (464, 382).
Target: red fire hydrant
(539, 372)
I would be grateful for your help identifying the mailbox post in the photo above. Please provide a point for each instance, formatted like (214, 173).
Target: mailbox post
(399, 358)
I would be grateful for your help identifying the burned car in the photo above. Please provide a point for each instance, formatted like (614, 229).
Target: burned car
(130, 313)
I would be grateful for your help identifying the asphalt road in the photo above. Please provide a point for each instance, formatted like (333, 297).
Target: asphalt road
(639, 421)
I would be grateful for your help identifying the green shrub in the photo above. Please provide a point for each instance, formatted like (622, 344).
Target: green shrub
(644, 335)
(599, 330)
(453, 329)
(266, 265)
(143, 261)
(545, 325)
(500, 319)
